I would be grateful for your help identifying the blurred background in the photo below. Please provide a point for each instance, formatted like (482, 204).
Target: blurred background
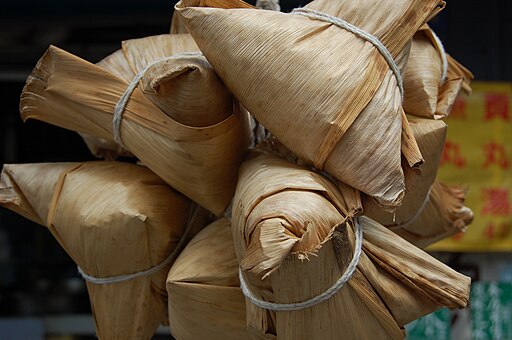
(41, 293)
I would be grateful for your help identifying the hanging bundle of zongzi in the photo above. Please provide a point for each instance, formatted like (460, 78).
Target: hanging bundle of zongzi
(336, 67)
(442, 215)
(432, 79)
(120, 223)
(205, 300)
(430, 135)
(197, 154)
(294, 233)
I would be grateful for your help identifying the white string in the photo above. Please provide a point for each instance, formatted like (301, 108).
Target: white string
(418, 213)
(319, 298)
(442, 52)
(122, 278)
(312, 14)
(123, 101)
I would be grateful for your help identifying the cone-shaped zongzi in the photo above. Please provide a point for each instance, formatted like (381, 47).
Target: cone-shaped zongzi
(327, 94)
(200, 162)
(120, 223)
(125, 63)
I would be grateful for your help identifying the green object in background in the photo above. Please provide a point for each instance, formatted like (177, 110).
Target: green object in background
(432, 326)
(491, 310)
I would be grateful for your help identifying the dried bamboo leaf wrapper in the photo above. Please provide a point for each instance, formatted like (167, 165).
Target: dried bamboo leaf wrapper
(457, 70)
(444, 215)
(433, 79)
(143, 51)
(423, 77)
(171, 84)
(95, 210)
(205, 300)
(259, 53)
(177, 25)
(430, 135)
(186, 88)
(202, 163)
(414, 268)
(458, 80)
(116, 64)
(279, 232)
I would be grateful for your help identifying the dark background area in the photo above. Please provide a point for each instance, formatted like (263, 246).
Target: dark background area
(36, 276)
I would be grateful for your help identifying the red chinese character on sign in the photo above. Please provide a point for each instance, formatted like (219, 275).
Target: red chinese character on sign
(496, 231)
(495, 154)
(452, 154)
(496, 106)
(458, 108)
(496, 202)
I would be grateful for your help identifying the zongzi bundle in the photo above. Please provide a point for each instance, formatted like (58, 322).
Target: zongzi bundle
(205, 300)
(433, 79)
(294, 233)
(120, 223)
(443, 214)
(330, 95)
(199, 161)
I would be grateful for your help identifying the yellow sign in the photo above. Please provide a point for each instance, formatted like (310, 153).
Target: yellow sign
(478, 155)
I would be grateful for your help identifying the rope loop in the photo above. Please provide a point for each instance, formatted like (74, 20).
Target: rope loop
(319, 298)
(317, 15)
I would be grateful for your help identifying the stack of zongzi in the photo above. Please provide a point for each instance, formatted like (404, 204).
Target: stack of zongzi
(322, 217)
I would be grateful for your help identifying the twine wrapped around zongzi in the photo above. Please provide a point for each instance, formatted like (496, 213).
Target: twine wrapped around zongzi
(120, 223)
(199, 161)
(433, 79)
(430, 135)
(116, 64)
(443, 214)
(325, 80)
(173, 84)
(205, 301)
(295, 234)
(170, 84)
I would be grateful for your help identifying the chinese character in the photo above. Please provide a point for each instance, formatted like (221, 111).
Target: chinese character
(452, 154)
(496, 106)
(495, 154)
(497, 231)
(496, 202)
